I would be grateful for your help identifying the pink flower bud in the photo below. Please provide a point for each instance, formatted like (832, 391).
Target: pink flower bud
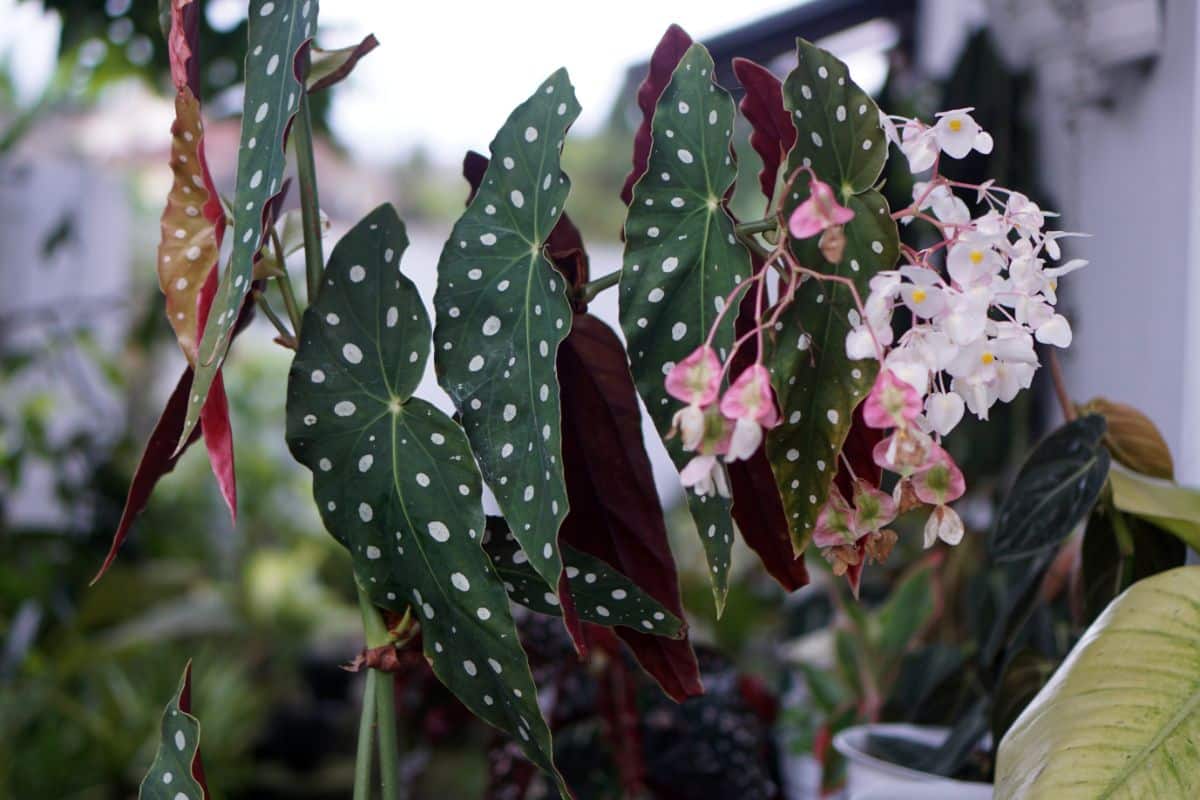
(820, 211)
(872, 508)
(697, 378)
(750, 397)
(904, 452)
(892, 403)
(836, 524)
(940, 481)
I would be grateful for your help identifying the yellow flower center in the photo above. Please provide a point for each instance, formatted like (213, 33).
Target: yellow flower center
(918, 295)
(954, 125)
(976, 256)
(986, 358)
(1053, 285)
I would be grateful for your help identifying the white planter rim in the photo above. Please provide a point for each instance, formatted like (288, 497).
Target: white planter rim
(852, 743)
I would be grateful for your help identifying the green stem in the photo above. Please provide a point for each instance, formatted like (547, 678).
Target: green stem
(593, 288)
(384, 698)
(289, 300)
(366, 730)
(756, 226)
(310, 208)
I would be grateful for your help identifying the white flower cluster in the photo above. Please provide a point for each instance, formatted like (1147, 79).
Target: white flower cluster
(979, 298)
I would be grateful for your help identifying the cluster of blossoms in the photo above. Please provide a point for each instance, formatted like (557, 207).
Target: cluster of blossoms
(979, 297)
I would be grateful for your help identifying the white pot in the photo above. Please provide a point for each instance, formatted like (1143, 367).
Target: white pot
(872, 778)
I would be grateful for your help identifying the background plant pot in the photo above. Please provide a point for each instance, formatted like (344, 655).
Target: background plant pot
(871, 778)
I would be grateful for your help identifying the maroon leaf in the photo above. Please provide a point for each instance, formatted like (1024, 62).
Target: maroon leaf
(328, 67)
(158, 459)
(757, 507)
(615, 512)
(667, 56)
(616, 701)
(772, 132)
(214, 417)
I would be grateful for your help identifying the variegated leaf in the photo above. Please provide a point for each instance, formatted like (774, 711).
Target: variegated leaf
(176, 773)
(681, 261)
(395, 481)
(502, 313)
(278, 29)
(817, 386)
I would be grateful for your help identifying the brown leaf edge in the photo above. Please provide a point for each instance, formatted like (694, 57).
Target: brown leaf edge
(342, 62)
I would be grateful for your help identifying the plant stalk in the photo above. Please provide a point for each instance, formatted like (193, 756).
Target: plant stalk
(310, 213)
(285, 336)
(756, 226)
(366, 731)
(1060, 385)
(384, 699)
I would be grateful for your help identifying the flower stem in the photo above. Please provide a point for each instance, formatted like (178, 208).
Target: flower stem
(310, 213)
(593, 288)
(384, 700)
(366, 730)
(1060, 386)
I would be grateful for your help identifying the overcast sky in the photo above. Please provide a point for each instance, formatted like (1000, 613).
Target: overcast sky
(448, 72)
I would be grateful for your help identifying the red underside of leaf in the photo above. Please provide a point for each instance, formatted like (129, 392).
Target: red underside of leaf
(757, 507)
(772, 132)
(858, 451)
(346, 67)
(615, 513)
(157, 460)
(667, 56)
(214, 417)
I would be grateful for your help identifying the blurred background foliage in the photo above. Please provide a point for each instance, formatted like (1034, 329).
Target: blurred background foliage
(266, 612)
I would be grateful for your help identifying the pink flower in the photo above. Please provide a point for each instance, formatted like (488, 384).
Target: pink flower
(751, 397)
(872, 508)
(818, 212)
(750, 404)
(940, 481)
(904, 452)
(696, 379)
(892, 403)
(836, 524)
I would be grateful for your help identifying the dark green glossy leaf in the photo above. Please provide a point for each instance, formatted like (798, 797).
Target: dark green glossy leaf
(176, 773)
(681, 261)
(1023, 677)
(502, 313)
(1054, 491)
(602, 595)
(277, 31)
(818, 387)
(395, 481)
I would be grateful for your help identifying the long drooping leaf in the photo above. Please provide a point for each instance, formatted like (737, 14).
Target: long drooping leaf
(1054, 491)
(278, 29)
(502, 313)
(602, 594)
(772, 133)
(615, 512)
(177, 773)
(327, 67)
(666, 57)
(818, 387)
(682, 260)
(395, 481)
(1121, 716)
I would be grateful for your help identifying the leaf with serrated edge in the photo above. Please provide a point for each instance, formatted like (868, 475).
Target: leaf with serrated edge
(395, 482)
(176, 773)
(772, 133)
(278, 29)
(502, 313)
(602, 595)
(817, 386)
(681, 261)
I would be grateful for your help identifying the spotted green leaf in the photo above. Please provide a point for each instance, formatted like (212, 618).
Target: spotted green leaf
(176, 773)
(502, 313)
(817, 386)
(681, 261)
(602, 595)
(395, 482)
(277, 31)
